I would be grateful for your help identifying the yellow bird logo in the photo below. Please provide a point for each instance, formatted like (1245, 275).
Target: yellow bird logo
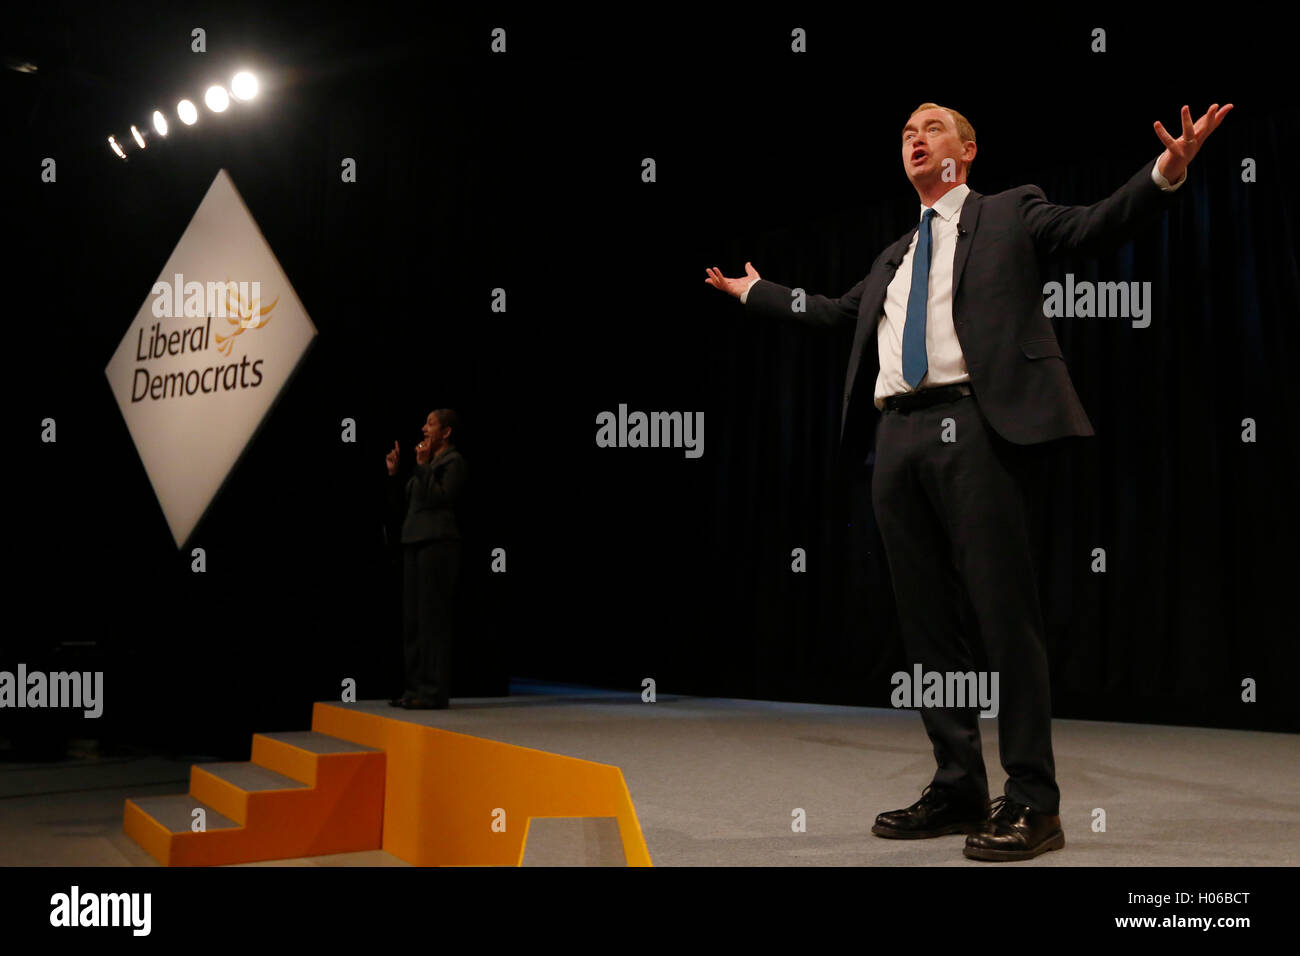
(243, 315)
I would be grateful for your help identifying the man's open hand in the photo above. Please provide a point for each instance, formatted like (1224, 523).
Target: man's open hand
(732, 286)
(1179, 152)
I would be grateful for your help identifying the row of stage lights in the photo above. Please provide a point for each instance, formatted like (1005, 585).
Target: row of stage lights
(243, 87)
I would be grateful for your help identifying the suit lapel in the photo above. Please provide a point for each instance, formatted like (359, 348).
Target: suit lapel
(873, 297)
(437, 462)
(968, 223)
(873, 300)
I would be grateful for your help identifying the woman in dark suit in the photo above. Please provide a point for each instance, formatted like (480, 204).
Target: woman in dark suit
(430, 559)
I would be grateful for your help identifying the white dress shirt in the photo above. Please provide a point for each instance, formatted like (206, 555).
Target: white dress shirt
(947, 365)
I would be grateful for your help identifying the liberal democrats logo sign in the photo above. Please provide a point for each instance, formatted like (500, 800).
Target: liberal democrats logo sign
(218, 337)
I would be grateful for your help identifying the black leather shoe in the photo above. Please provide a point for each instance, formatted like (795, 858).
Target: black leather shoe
(938, 812)
(1015, 832)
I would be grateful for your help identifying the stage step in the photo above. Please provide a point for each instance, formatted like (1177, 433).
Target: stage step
(175, 812)
(367, 779)
(302, 794)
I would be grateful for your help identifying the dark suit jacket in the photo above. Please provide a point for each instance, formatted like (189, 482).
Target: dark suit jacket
(1016, 368)
(429, 498)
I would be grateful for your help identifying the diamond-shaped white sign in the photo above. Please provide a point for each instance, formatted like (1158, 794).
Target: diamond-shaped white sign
(205, 359)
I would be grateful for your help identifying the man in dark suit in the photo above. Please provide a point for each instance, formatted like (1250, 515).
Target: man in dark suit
(953, 347)
(430, 559)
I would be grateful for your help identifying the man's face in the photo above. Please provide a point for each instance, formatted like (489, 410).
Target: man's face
(929, 138)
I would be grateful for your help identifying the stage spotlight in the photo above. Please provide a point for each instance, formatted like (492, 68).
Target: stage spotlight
(216, 99)
(244, 86)
(117, 149)
(188, 112)
(139, 140)
(160, 122)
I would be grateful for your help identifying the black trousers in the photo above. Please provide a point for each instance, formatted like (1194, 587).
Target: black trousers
(429, 573)
(957, 519)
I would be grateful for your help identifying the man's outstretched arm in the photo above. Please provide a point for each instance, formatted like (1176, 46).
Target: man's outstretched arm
(1059, 229)
(775, 300)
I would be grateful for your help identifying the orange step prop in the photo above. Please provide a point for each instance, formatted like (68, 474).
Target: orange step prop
(451, 799)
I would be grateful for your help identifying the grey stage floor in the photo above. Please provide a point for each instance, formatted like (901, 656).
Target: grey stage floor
(715, 783)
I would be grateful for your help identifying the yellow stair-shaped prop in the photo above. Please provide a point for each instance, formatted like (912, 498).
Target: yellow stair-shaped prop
(452, 799)
(361, 780)
(302, 794)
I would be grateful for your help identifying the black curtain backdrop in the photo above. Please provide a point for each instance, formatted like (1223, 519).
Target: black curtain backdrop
(523, 172)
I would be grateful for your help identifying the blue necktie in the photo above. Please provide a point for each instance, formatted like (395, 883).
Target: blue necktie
(915, 362)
